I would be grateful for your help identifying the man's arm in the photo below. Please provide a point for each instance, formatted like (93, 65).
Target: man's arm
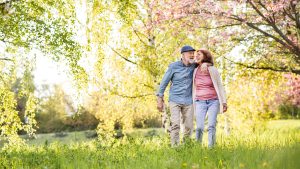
(162, 87)
(164, 82)
(203, 66)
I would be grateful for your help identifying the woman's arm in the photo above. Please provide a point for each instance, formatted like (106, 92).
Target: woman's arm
(222, 91)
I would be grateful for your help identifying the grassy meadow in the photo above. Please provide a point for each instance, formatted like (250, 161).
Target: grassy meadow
(277, 146)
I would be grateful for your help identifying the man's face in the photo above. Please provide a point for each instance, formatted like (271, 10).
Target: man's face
(188, 57)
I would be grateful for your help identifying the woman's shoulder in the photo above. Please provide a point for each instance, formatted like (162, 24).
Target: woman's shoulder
(213, 68)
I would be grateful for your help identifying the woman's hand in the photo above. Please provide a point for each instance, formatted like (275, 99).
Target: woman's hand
(225, 107)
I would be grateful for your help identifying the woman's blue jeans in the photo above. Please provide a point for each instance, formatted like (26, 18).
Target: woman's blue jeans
(211, 108)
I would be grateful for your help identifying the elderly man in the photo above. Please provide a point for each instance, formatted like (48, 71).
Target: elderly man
(180, 74)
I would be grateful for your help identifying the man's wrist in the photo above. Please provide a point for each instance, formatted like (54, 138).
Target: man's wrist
(160, 95)
(160, 99)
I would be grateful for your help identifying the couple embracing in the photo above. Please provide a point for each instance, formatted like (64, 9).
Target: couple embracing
(196, 90)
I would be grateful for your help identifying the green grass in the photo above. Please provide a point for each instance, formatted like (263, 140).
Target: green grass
(71, 137)
(276, 147)
(284, 125)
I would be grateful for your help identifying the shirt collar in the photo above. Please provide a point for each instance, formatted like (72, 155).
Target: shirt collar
(184, 64)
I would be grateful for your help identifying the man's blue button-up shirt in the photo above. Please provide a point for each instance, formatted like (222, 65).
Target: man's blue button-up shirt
(181, 77)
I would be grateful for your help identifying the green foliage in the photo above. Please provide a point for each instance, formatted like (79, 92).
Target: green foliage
(52, 112)
(57, 113)
(288, 111)
(10, 122)
(127, 10)
(17, 104)
(249, 101)
(48, 26)
(30, 114)
(81, 120)
(38, 24)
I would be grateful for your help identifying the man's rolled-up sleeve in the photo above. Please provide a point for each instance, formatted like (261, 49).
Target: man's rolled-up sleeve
(165, 81)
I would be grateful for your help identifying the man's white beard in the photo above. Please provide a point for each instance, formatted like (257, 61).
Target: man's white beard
(191, 61)
(197, 61)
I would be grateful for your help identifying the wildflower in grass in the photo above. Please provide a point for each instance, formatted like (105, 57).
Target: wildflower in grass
(195, 166)
(220, 163)
(241, 165)
(265, 164)
(184, 164)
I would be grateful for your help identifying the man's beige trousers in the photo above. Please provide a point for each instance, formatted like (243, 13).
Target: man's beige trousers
(181, 114)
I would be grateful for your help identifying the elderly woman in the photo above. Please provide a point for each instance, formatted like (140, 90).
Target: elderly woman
(208, 96)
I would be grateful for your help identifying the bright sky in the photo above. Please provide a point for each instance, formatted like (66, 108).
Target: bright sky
(49, 72)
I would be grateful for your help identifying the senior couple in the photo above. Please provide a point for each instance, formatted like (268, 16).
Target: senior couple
(196, 90)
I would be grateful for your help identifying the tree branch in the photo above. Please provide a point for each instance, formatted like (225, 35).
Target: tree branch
(132, 97)
(136, 33)
(217, 27)
(148, 86)
(276, 29)
(5, 2)
(23, 44)
(266, 34)
(297, 17)
(123, 57)
(251, 25)
(289, 14)
(280, 69)
(285, 41)
(262, 5)
(258, 11)
(6, 59)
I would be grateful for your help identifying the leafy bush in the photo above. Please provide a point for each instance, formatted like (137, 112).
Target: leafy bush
(287, 111)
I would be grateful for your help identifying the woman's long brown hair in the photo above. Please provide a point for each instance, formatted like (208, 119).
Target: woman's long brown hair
(207, 56)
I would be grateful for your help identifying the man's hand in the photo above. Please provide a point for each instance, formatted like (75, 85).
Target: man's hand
(204, 67)
(225, 107)
(160, 104)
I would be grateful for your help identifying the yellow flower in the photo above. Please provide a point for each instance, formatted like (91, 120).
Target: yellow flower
(184, 164)
(195, 166)
(242, 165)
(265, 164)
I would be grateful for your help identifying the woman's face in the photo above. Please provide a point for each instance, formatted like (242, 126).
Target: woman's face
(198, 56)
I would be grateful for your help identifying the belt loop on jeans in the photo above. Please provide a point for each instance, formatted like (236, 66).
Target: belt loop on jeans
(206, 101)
